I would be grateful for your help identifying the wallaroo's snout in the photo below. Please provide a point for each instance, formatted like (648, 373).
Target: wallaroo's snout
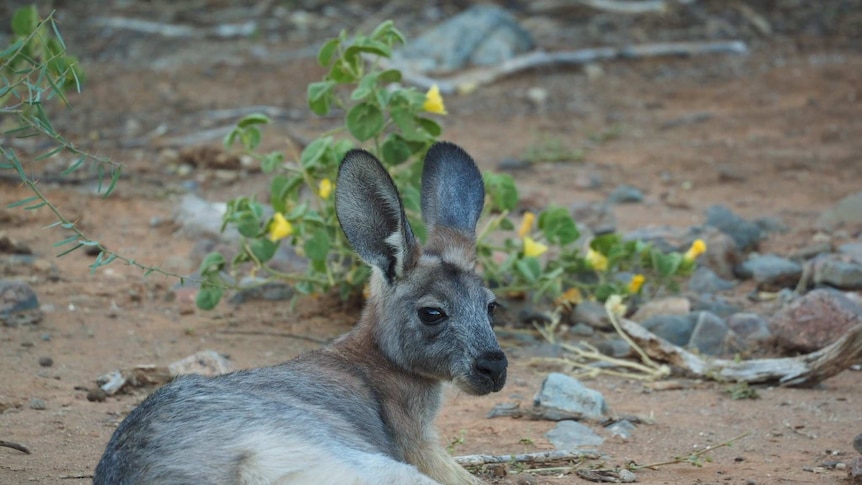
(491, 368)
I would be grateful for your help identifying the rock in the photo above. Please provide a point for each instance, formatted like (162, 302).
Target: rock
(722, 254)
(568, 397)
(258, 289)
(770, 272)
(672, 305)
(745, 234)
(38, 404)
(771, 224)
(705, 280)
(9, 245)
(676, 329)
(713, 303)
(615, 347)
(512, 164)
(811, 251)
(711, 335)
(591, 313)
(622, 428)
(837, 271)
(626, 194)
(46, 361)
(582, 330)
(204, 362)
(598, 216)
(96, 395)
(814, 320)
(848, 211)
(852, 249)
(18, 304)
(200, 219)
(750, 327)
(664, 238)
(568, 435)
(480, 36)
(857, 443)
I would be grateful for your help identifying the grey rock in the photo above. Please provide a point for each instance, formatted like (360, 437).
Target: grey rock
(676, 329)
(671, 305)
(811, 251)
(623, 429)
(582, 330)
(852, 249)
(771, 224)
(839, 272)
(568, 435)
(529, 315)
(38, 404)
(770, 271)
(857, 443)
(847, 211)
(664, 238)
(512, 164)
(18, 304)
(96, 395)
(592, 314)
(481, 35)
(567, 396)
(615, 347)
(722, 254)
(597, 216)
(46, 361)
(750, 327)
(258, 289)
(626, 194)
(711, 335)
(745, 233)
(705, 280)
(714, 303)
(200, 219)
(814, 320)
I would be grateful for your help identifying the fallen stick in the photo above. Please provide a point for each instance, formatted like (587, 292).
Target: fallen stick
(802, 371)
(540, 457)
(612, 6)
(15, 446)
(472, 79)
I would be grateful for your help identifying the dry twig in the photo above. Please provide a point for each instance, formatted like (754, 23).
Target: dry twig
(540, 457)
(15, 446)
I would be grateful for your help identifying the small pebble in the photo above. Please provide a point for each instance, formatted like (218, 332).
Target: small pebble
(46, 361)
(526, 479)
(46, 337)
(38, 404)
(96, 395)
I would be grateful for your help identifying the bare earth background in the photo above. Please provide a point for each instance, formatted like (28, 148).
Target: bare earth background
(777, 132)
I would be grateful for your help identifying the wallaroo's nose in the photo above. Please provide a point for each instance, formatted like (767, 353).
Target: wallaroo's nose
(492, 365)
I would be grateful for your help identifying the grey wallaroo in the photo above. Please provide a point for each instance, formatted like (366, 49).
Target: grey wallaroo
(361, 410)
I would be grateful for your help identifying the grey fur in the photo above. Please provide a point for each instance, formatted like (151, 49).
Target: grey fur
(360, 410)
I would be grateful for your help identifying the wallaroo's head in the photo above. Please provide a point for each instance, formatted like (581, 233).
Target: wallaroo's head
(433, 314)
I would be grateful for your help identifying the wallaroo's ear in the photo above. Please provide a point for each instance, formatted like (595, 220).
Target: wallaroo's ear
(453, 193)
(372, 217)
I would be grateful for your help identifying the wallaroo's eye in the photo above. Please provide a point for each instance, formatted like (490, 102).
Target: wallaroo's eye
(492, 307)
(431, 316)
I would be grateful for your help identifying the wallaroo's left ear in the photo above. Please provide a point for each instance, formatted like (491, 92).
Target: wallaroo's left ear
(453, 193)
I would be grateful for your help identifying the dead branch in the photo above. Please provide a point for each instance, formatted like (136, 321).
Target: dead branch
(222, 31)
(611, 6)
(481, 76)
(801, 371)
(540, 457)
(15, 446)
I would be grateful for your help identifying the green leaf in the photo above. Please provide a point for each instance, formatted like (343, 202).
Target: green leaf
(506, 224)
(369, 46)
(314, 151)
(262, 248)
(432, 127)
(79, 245)
(324, 56)
(68, 240)
(320, 97)
(12, 48)
(395, 150)
(250, 137)
(115, 177)
(558, 226)
(208, 296)
(247, 223)
(411, 199)
(317, 246)
(253, 119)
(365, 88)
(212, 263)
(364, 121)
(605, 243)
(21, 202)
(666, 264)
(74, 166)
(390, 76)
(529, 268)
(502, 191)
(271, 161)
(25, 20)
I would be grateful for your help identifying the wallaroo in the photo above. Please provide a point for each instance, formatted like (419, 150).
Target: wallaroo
(360, 410)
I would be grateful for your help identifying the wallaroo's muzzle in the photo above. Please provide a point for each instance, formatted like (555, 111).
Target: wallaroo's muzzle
(491, 366)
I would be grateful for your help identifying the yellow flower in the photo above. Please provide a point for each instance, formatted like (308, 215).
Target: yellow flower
(697, 248)
(533, 248)
(596, 260)
(569, 298)
(614, 304)
(434, 102)
(324, 188)
(526, 224)
(636, 283)
(279, 227)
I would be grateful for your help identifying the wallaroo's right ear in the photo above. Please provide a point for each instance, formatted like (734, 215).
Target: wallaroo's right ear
(372, 217)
